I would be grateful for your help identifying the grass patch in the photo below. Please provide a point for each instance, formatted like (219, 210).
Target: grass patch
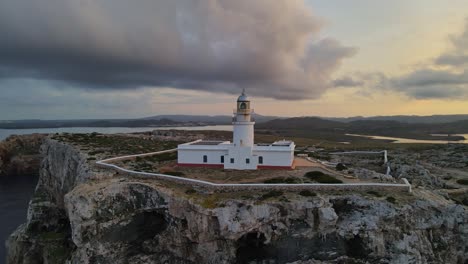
(271, 194)
(210, 202)
(307, 193)
(320, 177)
(462, 181)
(288, 180)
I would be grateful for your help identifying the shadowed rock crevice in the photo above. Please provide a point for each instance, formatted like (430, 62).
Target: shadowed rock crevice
(140, 227)
(355, 247)
(251, 247)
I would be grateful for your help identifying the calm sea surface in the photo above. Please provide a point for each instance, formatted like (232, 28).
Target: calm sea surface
(407, 140)
(4, 133)
(15, 193)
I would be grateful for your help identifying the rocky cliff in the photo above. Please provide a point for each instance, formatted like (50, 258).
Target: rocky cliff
(19, 155)
(81, 214)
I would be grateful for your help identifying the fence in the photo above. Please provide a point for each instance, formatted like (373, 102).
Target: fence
(220, 187)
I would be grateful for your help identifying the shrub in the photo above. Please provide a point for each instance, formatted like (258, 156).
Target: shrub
(321, 177)
(271, 194)
(175, 173)
(340, 167)
(190, 191)
(391, 199)
(307, 193)
(462, 181)
(374, 193)
(283, 180)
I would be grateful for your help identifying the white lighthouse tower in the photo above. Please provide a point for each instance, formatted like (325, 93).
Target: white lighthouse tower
(242, 153)
(243, 125)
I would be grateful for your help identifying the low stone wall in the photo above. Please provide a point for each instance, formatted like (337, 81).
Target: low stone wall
(221, 187)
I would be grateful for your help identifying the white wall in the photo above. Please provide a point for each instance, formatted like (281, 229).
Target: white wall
(275, 158)
(195, 156)
(240, 154)
(243, 131)
(272, 156)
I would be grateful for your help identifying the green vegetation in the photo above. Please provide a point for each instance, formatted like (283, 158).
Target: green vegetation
(320, 177)
(190, 191)
(52, 236)
(210, 202)
(174, 173)
(341, 167)
(307, 193)
(115, 145)
(283, 180)
(462, 181)
(159, 157)
(375, 193)
(391, 199)
(271, 194)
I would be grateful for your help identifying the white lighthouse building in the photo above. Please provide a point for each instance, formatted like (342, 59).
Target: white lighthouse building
(242, 153)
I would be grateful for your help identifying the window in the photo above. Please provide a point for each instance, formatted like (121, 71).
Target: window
(247, 161)
(260, 160)
(242, 106)
(205, 158)
(222, 159)
(232, 160)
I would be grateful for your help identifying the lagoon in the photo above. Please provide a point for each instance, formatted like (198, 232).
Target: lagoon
(409, 140)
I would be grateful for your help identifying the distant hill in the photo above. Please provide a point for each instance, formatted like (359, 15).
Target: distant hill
(405, 118)
(301, 123)
(328, 129)
(217, 119)
(24, 124)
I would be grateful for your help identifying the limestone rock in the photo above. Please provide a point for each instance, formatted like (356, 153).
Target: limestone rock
(81, 214)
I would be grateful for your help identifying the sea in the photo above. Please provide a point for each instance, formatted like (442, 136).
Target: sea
(4, 133)
(15, 193)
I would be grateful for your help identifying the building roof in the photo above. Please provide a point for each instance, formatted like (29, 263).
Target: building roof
(243, 97)
(207, 143)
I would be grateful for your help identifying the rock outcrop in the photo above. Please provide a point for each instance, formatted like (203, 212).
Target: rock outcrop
(19, 155)
(82, 215)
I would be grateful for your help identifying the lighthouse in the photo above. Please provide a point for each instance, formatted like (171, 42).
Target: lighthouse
(242, 123)
(241, 153)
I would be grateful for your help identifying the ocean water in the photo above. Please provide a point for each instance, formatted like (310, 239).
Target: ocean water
(408, 140)
(15, 193)
(4, 133)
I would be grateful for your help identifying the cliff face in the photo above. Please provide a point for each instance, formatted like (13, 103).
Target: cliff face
(19, 155)
(89, 216)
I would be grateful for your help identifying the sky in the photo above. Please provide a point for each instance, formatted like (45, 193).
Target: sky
(69, 59)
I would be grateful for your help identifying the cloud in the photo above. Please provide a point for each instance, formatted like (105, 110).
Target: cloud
(347, 81)
(445, 77)
(271, 49)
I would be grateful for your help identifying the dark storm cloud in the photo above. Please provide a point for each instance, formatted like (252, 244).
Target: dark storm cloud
(271, 48)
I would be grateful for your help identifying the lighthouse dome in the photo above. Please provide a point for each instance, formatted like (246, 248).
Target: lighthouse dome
(243, 97)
